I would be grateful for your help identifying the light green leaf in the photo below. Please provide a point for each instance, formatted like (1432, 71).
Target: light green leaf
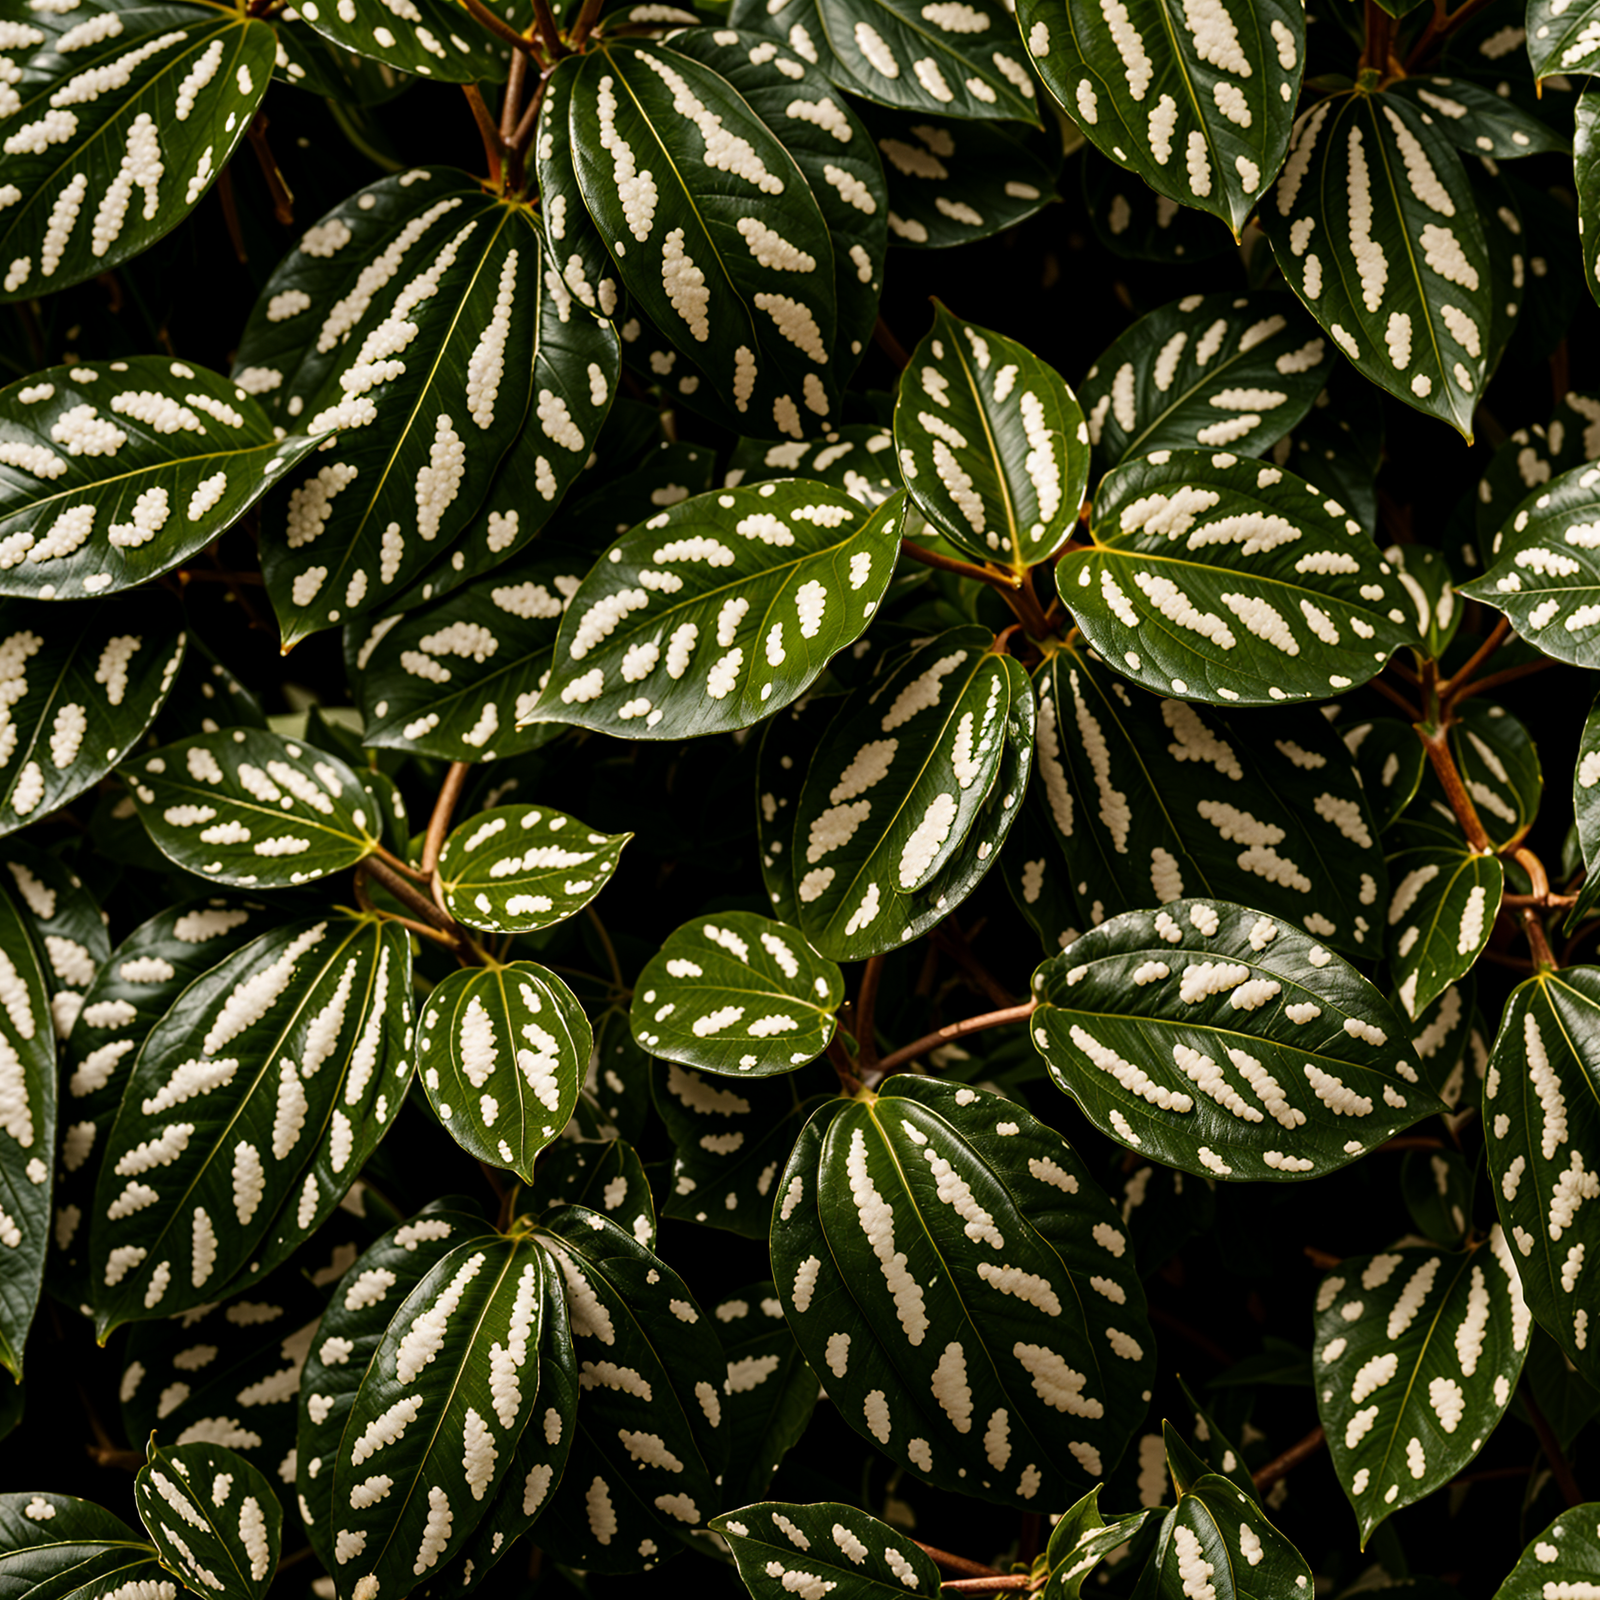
(825, 1548)
(1141, 1019)
(719, 611)
(1567, 1554)
(429, 38)
(1441, 909)
(740, 995)
(974, 1271)
(1417, 1355)
(52, 1544)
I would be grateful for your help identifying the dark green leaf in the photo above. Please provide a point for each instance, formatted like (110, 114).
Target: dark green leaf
(1131, 220)
(769, 1393)
(1442, 910)
(605, 1175)
(54, 1546)
(1562, 37)
(1081, 1540)
(431, 38)
(787, 744)
(1390, 758)
(1475, 119)
(1218, 1538)
(858, 458)
(1565, 1556)
(826, 1548)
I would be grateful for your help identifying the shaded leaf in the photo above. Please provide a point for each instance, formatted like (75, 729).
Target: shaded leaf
(1437, 1185)
(1531, 456)
(826, 1548)
(52, 1544)
(1566, 1554)
(858, 458)
(605, 1175)
(1131, 220)
(1218, 1536)
(1562, 38)
(1390, 758)
(769, 1393)
(1442, 908)
(787, 743)
(1476, 119)
(1081, 1540)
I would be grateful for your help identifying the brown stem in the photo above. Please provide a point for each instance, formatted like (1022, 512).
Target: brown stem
(511, 100)
(1390, 693)
(1322, 1260)
(1440, 23)
(522, 135)
(1557, 901)
(866, 1003)
(282, 199)
(501, 30)
(230, 215)
(1543, 957)
(950, 1563)
(295, 1557)
(487, 131)
(549, 30)
(1551, 1446)
(931, 558)
(584, 25)
(957, 1030)
(1495, 679)
(443, 810)
(606, 945)
(1379, 31)
(883, 337)
(1282, 1466)
(1497, 637)
(404, 868)
(1202, 1342)
(1437, 745)
(407, 894)
(1496, 958)
(844, 1068)
(1024, 603)
(1534, 867)
(1002, 1580)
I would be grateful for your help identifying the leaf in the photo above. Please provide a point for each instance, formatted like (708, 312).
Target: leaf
(430, 38)
(1566, 1554)
(1369, 183)
(52, 1544)
(950, 182)
(992, 443)
(604, 1175)
(1442, 1037)
(755, 306)
(1562, 38)
(694, 1000)
(1081, 1540)
(1499, 764)
(1442, 907)
(719, 611)
(1339, 446)
(649, 1442)
(416, 326)
(1425, 576)
(253, 1105)
(502, 1052)
(1390, 758)
(769, 1393)
(252, 810)
(64, 922)
(730, 1143)
(1586, 814)
(858, 458)
(436, 680)
(1219, 1537)
(135, 466)
(1151, 800)
(28, 1096)
(1264, 589)
(1134, 222)
(1037, 876)
(1531, 456)
(1438, 1185)
(966, 1218)
(420, 1460)
(1322, 1066)
(511, 869)
(926, 746)
(1477, 120)
(1541, 1112)
(352, 1328)
(105, 110)
(1415, 1368)
(214, 1518)
(1198, 103)
(825, 1548)
(1217, 370)
(787, 743)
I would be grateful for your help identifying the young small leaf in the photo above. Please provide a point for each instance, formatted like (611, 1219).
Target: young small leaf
(1217, 1537)
(1081, 1540)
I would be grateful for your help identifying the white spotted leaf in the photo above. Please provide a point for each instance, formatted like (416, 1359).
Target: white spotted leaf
(1477, 120)
(959, 1283)
(1081, 1540)
(752, 304)
(84, 683)
(502, 1052)
(1223, 580)
(1566, 1553)
(783, 1549)
(73, 1549)
(1417, 1353)
(1442, 902)
(363, 1303)
(1531, 457)
(427, 38)
(787, 743)
(253, 810)
(1227, 1043)
(1390, 758)
(1196, 99)
(1218, 370)
(858, 458)
(897, 818)
(606, 1175)
(1217, 1538)
(1562, 37)
(1425, 575)
(64, 921)
(1586, 813)
(442, 1406)
(720, 610)
(1541, 1114)
(769, 1394)
(28, 1113)
(1376, 228)
(214, 1519)
(115, 121)
(739, 994)
(1499, 766)
(415, 328)
(112, 473)
(1154, 799)
(992, 444)
(650, 1439)
(448, 679)
(1131, 220)
(251, 1108)
(515, 868)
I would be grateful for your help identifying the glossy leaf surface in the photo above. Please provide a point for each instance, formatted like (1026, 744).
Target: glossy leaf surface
(1441, 912)
(782, 1549)
(429, 38)
(52, 1544)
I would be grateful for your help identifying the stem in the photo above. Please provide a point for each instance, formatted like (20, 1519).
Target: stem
(486, 131)
(1389, 692)
(584, 25)
(883, 337)
(953, 942)
(443, 809)
(1534, 867)
(943, 1558)
(844, 1068)
(511, 101)
(1282, 1466)
(404, 868)
(230, 215)
(1495, 679)
(549, 31)
(957, 1030)
(1543, 957)
(1455, 790)
(965, 569)
(606, 945)
(1378, 28)
(1165, 1319)
(1001, 1580)
(427, 912)
(1551, 1446)
(1441, 23)
(1024, 603)
(866, 1003)
(282, 199)
(501, 30)
(1497, 637)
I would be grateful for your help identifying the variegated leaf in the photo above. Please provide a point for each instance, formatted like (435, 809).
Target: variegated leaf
(719, 611)
(214, 1519)
(253, 810)
(118, 118)
(897, 790)
(1131, 220)
(1208, 370)
(1425, 576)
(502, 1051)
(52, 1544)
(515, 868)
(1443, 1037)
(1441, 911)
(740, 995)
(1390, 758)
(1563, 37)
(858, 458)
(115, 472)
(769, 1393)
(973, 1309)
(1417, 1355)
(606, 1175)
(1081, 1540)
(1499, 764)
(824, 1548)
(1541, 1113)
(1217, 1537)
(1037, 875)
(1477, 120)
(1376, 228)
(1566, 1555)
(1142, 1019)
(992, 444)
(787, 743)
(1438, 1186)
(64, 922)
(251, 1108)
(1586, 814)
(1197, 100)
(1217, 579)
(1151, 800)
(1529, 457)
(429, 38)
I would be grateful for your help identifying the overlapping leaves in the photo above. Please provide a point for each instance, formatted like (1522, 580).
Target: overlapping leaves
(769, 1393)
(1218, 1537)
